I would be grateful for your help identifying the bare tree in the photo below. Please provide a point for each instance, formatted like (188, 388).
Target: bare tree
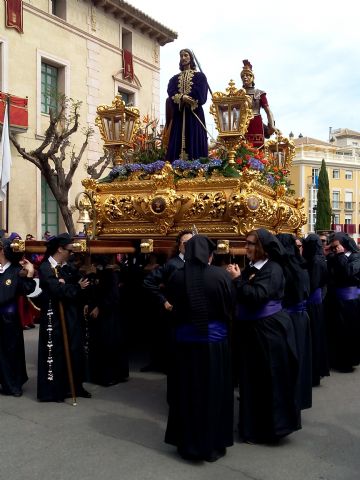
(50, 156)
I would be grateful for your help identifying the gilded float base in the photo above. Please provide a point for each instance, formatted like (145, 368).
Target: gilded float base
(219, 207)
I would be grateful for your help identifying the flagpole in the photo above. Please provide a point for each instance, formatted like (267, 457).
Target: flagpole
(7, 186)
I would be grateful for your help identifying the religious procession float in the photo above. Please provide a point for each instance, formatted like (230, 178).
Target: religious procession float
(237, 188)
(154, 190)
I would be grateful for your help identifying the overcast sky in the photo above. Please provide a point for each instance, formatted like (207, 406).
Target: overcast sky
(305, 55)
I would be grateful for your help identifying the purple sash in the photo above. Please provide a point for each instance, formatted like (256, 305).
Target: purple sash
(298, 307)
(9, 308)
(268, 309)
(217, 332)
(315, 297)
(347, 293)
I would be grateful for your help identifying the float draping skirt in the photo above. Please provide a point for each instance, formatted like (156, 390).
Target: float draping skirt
(200, 395)
(268, 378)
(12, 354)
(301, 323)
(320, 362)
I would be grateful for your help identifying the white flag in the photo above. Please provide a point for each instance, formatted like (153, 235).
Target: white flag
(5, 156)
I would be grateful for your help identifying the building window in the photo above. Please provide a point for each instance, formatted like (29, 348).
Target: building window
(128, 97)
(336, 200)
(49, 210)
(315, 176)
(348, 219)
(336, 173)
(49, 87)
(336, 218)
(348, 200)
(126, 40)
(348, 174)
(58, 8)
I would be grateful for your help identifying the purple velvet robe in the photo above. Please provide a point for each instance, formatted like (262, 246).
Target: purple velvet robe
(196, 144)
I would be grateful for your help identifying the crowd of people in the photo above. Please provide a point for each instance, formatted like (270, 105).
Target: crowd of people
(272, 330)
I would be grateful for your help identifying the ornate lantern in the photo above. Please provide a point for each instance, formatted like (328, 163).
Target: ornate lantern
(280, 151)
(232, 112)
(118, 125)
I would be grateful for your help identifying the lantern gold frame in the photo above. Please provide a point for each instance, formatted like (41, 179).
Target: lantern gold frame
(232, 112)
(280, 151)
(118, 125)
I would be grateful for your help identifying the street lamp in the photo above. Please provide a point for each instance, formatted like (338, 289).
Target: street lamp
(118, 125)
(232, 112)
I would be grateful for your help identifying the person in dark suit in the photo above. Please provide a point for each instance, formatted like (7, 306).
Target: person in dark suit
(60, 283)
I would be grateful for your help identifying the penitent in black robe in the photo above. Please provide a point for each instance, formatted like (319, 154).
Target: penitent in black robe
(107, 346)
(268, 360)
(70, 294)
(343, 314)
(200, 389)
(12, 355)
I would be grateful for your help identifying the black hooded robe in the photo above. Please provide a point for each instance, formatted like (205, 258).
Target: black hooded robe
(268, 360)
(317, 268)
(200, 389)
(343, 314)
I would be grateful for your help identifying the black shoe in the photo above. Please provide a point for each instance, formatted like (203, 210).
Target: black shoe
(215, 455)
(84, 393)
(31, 325)
(13, 393)
(189, 456)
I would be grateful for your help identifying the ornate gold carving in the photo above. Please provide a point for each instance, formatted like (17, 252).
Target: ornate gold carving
(218, 206)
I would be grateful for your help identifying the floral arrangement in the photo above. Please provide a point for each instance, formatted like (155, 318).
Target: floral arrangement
(147, 147)
(148, 157)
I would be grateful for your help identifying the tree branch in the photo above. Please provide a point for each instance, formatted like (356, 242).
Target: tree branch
(23, 152)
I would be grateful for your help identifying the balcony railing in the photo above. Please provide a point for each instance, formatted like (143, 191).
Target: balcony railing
(349, 206)
(18, 112)
(336, 205)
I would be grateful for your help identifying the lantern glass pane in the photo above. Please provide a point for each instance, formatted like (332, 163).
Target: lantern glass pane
(117, 127)
(223, 115)
(235, 120)
(107, 127)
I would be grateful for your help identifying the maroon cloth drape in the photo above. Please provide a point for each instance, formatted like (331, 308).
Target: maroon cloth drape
(14, 14)
(128, 65)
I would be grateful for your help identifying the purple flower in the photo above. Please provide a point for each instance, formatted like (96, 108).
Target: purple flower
(153, 167)
(256, 164)
(181, 164)
(133, 167)
(270, 179)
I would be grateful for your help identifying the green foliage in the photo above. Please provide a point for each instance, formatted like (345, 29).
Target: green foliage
(323, 208)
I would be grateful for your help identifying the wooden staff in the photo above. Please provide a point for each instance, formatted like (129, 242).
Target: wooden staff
(66, 348)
